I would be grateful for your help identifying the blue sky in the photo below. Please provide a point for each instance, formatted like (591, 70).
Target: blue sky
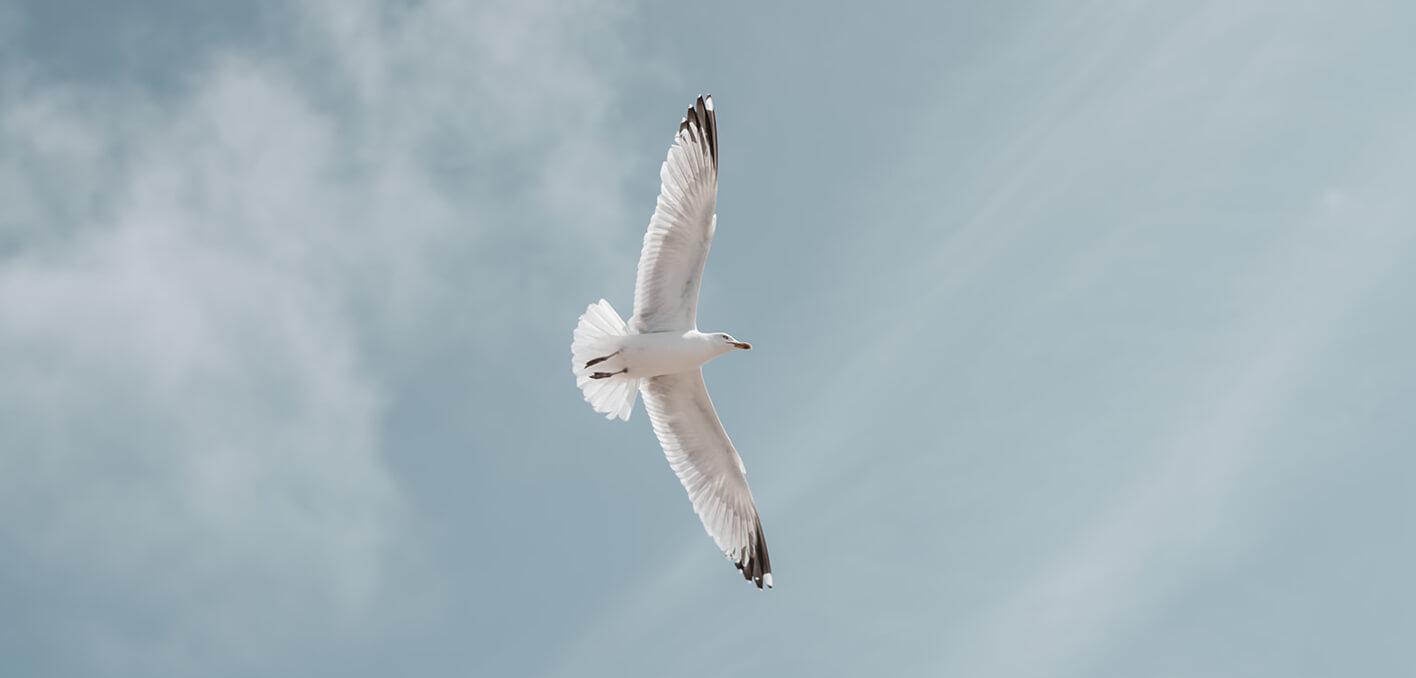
(1081, 338)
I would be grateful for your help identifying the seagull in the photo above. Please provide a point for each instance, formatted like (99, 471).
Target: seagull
(660, 351)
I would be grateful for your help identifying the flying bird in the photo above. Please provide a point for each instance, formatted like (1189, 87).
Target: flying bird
(660, 351)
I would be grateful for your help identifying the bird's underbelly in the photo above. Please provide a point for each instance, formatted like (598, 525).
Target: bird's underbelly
(652, 355)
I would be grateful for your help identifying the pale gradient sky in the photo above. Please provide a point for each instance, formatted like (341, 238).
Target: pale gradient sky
(1082, 338)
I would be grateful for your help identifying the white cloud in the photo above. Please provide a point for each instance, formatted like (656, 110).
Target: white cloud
(192, 285)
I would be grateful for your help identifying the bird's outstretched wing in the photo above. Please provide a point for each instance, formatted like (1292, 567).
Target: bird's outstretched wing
(709, 468)
(676, 245)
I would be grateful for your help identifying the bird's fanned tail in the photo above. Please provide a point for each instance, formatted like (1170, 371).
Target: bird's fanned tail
(594, 351)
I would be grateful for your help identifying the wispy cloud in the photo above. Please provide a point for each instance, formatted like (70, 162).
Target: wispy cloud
(1200, 498)
(199, 290)
(1182, 516)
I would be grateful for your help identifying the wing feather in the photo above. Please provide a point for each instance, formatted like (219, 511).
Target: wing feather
(709, 467)
(681, 230)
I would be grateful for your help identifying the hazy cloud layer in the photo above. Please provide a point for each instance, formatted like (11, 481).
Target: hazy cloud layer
(192, 285)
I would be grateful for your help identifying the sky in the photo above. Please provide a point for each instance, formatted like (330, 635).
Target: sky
(1081, 338)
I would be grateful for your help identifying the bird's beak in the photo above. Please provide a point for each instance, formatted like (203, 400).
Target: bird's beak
(741, 344)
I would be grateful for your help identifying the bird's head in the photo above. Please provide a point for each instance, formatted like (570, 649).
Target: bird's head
(728, 340)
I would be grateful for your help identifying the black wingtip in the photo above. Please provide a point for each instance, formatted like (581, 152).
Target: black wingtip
(755, 566)
(701, 125)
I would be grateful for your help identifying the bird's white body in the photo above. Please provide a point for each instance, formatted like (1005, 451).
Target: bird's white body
(659, 351)
(654, 354)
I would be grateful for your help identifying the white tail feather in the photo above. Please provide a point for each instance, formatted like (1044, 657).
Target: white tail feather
(601, 334)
